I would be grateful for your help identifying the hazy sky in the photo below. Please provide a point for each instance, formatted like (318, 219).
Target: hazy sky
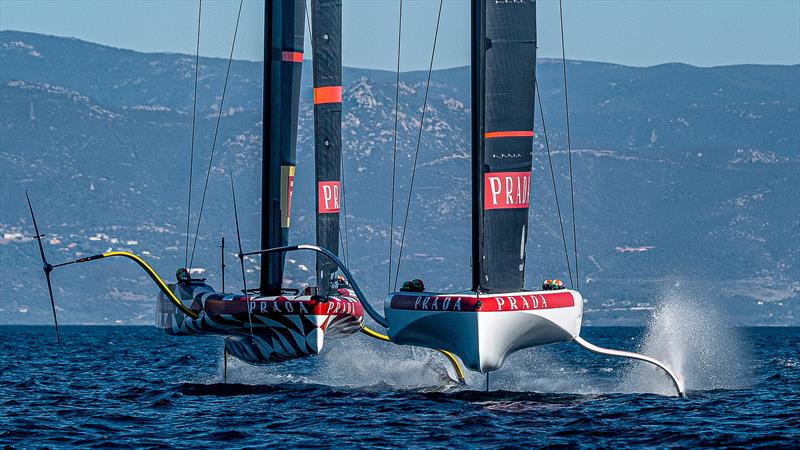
(640, 32)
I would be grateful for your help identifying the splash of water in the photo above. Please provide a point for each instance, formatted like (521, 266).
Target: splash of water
(365, 362)
(692, 337)
(553, 369)
(353, 362)
(685, 332)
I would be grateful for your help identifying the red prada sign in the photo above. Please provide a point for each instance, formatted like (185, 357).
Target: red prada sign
(328, 197)
(523, 301)
(503, 190)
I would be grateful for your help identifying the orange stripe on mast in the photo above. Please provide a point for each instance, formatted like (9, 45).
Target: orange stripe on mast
(328, 94)
(289, 56)
(505, 134)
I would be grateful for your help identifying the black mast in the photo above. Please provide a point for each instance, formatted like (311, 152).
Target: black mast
(327, 39)
(283, 57)
(503, 76)
(477, 52)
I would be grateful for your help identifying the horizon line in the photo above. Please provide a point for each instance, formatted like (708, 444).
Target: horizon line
(538, 58)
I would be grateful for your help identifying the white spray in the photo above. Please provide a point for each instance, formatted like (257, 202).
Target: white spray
(685, 332)
(691, 336)
(356, 361)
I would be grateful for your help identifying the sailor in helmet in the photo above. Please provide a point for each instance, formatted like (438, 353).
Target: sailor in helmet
(183, 276)
(552, 285)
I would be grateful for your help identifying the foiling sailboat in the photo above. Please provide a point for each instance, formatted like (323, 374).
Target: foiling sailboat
(272, 323)
(482, 326)
(497, 316)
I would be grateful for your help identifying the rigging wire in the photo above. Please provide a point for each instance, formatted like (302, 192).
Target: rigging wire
(233, 275)
(394, 147)
(216, 131)
(194, 117)
(239, 241)
(553, 177)
(569, 144)
(416, 152)
(308, 23)
(346, 240)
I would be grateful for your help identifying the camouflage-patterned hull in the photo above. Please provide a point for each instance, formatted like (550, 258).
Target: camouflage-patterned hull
(262, 330)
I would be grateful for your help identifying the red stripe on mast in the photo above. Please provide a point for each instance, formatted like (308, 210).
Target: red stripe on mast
(292, 56)
(505, 134)
(328, 94)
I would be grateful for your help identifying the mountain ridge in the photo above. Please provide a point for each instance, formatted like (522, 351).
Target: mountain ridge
(305, 61)
(668, 193)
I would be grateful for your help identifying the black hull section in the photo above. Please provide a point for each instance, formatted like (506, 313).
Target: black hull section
(261, 330)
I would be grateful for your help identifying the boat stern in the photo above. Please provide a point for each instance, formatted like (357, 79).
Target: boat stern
(483, 329)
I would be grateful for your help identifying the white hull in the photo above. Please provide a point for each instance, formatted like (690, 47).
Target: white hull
(483, 330)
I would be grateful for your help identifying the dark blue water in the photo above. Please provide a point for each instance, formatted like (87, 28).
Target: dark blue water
(131, 386)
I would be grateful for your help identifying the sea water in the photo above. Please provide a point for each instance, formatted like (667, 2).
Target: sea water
(133, 386)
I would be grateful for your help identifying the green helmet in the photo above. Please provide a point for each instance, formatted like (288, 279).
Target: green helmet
(415, 285)
(183, 276)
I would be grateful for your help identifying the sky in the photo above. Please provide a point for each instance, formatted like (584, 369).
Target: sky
(631, 32)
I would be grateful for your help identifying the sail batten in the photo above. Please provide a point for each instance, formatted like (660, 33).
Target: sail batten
(283, 57)
(503, 76)
(327, 63)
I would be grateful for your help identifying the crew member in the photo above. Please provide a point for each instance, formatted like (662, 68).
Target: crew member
(183, 276)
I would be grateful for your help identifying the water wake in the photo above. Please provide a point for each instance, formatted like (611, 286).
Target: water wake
(357, 362)
(692, 337)
(685, 332)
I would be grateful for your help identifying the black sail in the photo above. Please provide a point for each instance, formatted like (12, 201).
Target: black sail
(283, 57)
(503, 76)
(327, 48)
